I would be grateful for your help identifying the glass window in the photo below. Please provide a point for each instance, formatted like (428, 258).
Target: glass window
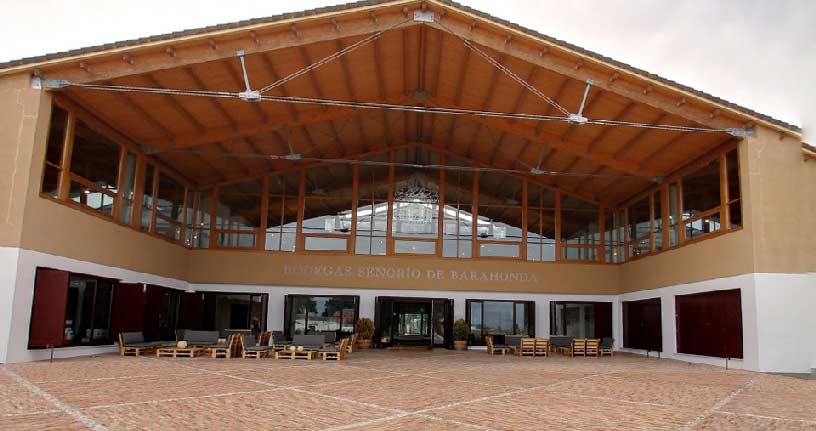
(499, 318)
(238, 215)
(581, 319)
(674, 235)
(198, 230)
(372, 205)
(499, 214)
(53, 151)
(327, 210)
(640, 227)
(579, 229)
(540, 223)
(312, 314)
(94, 169)
(416, 194)
(88, 311)
(281, 217)
(613, 236)
(147, 197)
(169, 207)
(458, 222)
(701, 200)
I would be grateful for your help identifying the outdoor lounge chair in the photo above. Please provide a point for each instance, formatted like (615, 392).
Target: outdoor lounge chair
(278, 342)
(606, 346)
(578, 347)
(527, 347)
(250, 349)
(593, 347)
(513, 342)
(337, 353)
(199, 338)
(309, 342)
(225, 350)
(264, 338)
(542, 347)
(561, 344)
(352, 344)
(495, 349)
(133, 343)
(329, 336)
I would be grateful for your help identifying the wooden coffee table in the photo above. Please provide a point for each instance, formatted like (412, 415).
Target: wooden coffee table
(179, 352)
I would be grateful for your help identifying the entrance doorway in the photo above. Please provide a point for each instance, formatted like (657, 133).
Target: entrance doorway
(406, 321)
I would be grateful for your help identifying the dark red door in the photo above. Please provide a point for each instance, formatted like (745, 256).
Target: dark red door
(47, 325)
(642, 325)
(128, 309)
(710, 323)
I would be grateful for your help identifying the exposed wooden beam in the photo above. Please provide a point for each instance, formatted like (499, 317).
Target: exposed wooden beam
(528, 132)
(218, 134)
(196, 49)
(592, 100)
(348, 76)
(638, 137)
(270, 68)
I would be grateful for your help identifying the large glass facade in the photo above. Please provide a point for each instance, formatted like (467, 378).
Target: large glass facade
(407, 200)
(581, 319)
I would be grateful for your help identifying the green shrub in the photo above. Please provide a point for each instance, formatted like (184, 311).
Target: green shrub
(461, 331)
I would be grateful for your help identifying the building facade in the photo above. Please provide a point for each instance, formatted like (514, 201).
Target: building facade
(409, 162)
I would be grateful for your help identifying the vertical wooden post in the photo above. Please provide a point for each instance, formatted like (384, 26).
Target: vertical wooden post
(681, 225)
(64, 187)
(724, 198)
(474, 234)
(120, 179)
(389, 240)
(558, 254)
(138, 191)
(260, 238)
(300, 243)
(355, 190)
(524, 221)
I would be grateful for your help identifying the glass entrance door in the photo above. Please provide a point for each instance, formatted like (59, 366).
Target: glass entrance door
(413, 321)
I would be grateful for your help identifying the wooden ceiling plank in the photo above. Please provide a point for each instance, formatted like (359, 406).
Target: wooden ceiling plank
(601, 136)
(632, 87)
(239, 82)
(272, 71)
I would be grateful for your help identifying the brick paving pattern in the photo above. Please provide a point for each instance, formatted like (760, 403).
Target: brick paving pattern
(405, 390)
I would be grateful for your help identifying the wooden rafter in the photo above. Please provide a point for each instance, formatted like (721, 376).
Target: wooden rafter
(601, 136)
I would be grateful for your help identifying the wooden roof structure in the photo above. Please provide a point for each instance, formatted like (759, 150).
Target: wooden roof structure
(212, 140)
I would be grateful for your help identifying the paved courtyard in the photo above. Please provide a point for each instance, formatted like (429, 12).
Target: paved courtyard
(387, 390)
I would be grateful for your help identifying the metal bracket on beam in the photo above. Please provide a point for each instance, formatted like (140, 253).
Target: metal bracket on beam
(579, 118)
(292, 157)
(249, 95)
(537, 171)
(741, 133)
(38, 83)
(423, 15)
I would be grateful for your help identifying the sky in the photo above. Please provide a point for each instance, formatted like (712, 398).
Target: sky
(760, 54)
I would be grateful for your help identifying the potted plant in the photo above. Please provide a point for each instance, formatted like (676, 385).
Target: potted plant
(461, 332)
(365, 330)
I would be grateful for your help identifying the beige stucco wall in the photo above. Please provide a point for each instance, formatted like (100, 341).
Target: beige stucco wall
(253, 267)
(779, 199)
(19, 114)
(782, 191)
